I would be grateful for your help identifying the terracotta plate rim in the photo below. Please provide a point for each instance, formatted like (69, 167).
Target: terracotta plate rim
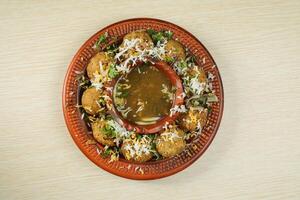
(133, 176)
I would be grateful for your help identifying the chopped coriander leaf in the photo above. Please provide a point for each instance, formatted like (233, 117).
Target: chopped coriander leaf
(101, 39)
(185, 81)
(183, 64)
(153, 145)
(109, 131)
(169, 59)
(139, 136)
(168, 34)
(101, 101)
(156, 35)
(108, 117)
(190, 60)
(157, 156)
(112, 49)
(212, 98)
(112, 72)
(123, 93)
(151, 136)
(83, 81)
(209, 109)
(203, 100)
(106, 153)
(151, 32)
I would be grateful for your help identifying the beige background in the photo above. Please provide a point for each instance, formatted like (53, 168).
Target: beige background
(256, 154)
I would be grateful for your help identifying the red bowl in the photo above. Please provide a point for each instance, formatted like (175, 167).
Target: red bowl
(158, 126)
(124, 168)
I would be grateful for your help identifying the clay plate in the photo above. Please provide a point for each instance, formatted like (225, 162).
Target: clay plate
(153, 169)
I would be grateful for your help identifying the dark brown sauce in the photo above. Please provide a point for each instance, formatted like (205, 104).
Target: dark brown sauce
(144, 95)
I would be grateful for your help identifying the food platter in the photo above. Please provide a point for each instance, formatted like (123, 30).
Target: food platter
(82, 121)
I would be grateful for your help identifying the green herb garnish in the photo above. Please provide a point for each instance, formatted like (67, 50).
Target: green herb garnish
(183, 64)
(151, 32)
(112, 72)
(151, 136)
(139, 136)
(112, 49)
(102, 101)
(209, 109)
(109, 131)
(107, 152)
(203, 100)
(122, 94)
(159, 35)
(157, 156)
(168, 34)
(83, 81)
(169, 59)
(212, 98)
(101, 39)
(190, 60)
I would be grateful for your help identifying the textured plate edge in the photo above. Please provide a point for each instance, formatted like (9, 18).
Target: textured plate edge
(134, 176)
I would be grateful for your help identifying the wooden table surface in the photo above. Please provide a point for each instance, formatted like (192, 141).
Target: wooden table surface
(256, 153)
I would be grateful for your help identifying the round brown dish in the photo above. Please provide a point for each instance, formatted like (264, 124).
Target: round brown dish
(144, 167)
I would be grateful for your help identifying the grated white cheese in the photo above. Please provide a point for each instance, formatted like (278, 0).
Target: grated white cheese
(158, 51)
(176, 66)
(166, 91)
(121, 131)
(114, 157)
(139, 147)
(210, 76)
(196, 86)
(141, 106)
(128, 44)
(181, 96)
(125, 112)
(170, 136)
(122, 67)
(98, 86)
(140, 55)
(199, 127)
(166, 126)
(180, 109)
(98, 151)
(96, 81)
